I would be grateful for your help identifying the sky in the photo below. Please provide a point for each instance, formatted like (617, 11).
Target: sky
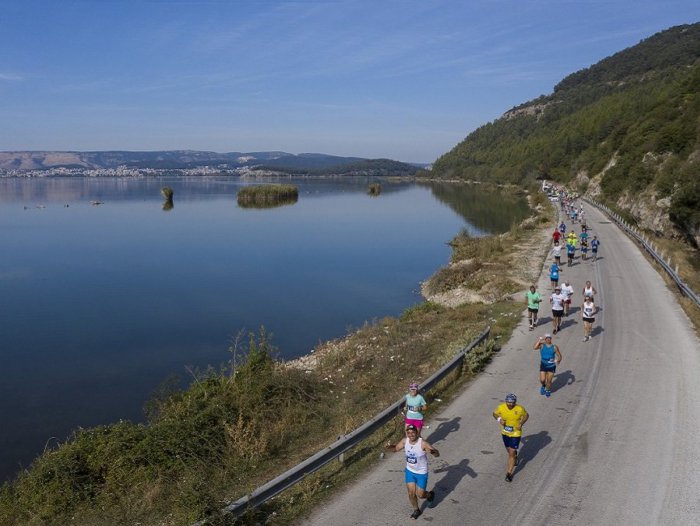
(404, 80)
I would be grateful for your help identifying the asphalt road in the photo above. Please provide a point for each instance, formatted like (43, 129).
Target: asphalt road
(617, 443)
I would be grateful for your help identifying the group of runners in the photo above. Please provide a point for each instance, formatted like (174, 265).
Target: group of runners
(510, 415)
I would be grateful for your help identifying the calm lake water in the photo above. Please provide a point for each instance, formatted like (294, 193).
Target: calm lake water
(100, 304)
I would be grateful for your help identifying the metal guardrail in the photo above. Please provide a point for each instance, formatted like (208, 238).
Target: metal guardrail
(337, 448)
(646, 245)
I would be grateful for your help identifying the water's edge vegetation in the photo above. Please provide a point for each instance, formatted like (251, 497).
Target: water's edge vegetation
(267, 195)
(238, 425)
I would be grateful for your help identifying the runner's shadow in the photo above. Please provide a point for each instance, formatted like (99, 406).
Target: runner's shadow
(532, 444)
(444, 429)
(544, 319)
(568, 321)
(597, 330)
(563, 379)
(453, 475)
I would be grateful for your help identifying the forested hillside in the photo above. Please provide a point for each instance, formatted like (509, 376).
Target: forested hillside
(626, 130)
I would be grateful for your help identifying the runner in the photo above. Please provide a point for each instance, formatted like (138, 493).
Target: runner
(584, 249)
(554, 274)
(570, 252)
(589, 290)
(557, 300)
(533, 299)
(511, 417)
(550, 357)
(413, 407)
(595, 243)
(562, 228)
(568, 291)
(556, 235)
(556, 253)
(416, 472)
(588, 311)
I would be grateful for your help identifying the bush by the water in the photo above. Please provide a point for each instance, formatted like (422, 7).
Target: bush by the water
(199, 444)
(267, 195)
(374, 189)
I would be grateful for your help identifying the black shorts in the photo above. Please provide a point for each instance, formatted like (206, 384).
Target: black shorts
(557, 313)
(548, 367)
(534, 311)
(589, 320)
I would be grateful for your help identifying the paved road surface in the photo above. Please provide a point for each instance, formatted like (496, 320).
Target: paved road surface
(617, 443)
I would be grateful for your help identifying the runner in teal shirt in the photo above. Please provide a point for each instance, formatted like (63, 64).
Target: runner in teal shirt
(533, 305)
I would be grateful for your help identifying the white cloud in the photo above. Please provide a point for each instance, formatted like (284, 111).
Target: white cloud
(11, 76)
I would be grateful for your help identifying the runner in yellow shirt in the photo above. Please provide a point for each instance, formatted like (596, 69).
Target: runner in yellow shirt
(511, 417)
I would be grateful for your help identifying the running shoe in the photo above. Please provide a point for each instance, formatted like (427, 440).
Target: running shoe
(416, 514)
(509, 477)
(431, 499)
(542, 390)
(548, 393)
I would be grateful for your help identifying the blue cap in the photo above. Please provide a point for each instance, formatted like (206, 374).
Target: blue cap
(510, 397)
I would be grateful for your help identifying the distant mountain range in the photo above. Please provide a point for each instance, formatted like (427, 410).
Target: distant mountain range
(305, 163)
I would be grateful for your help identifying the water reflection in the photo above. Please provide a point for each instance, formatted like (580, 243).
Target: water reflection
(485, 207)
(100, 303)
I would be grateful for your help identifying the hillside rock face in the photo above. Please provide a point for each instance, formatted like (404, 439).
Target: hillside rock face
(650, 212)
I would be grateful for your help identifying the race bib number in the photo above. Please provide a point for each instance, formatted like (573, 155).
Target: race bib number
(509, 429)
(411, 460)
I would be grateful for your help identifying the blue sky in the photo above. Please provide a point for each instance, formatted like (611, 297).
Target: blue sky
(404, 79)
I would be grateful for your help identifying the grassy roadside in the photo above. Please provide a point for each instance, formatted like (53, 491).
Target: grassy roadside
(238, 426)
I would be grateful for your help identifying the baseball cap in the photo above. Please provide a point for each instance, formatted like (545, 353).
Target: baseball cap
(547, 336)
(411, 427)
(413, 385)
(510, 397)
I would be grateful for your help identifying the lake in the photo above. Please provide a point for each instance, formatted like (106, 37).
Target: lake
(101, 303)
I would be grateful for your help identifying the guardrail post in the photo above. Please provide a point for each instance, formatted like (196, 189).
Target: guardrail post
(676, 269)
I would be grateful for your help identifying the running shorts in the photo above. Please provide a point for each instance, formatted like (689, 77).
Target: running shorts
(511, 442)
(419, 479)
(589, 320)
(548, 367)
(557, 313)
(534, 311)
(414, 421)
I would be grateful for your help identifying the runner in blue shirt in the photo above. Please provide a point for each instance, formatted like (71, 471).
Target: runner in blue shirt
(550, 357)
(554, 274)
(570, 253)
(595, 243)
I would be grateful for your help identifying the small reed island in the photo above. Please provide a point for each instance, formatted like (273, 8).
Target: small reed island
(267, 195)
(167, 194)
(374, 189)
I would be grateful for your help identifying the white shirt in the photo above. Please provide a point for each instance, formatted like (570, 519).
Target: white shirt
(416, 458)
(558, 301)
(567, 290)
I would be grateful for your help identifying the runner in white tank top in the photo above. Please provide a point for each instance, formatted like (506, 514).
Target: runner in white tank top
(416, 458)
(416, 472)
(588, 311)
(589, 290)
